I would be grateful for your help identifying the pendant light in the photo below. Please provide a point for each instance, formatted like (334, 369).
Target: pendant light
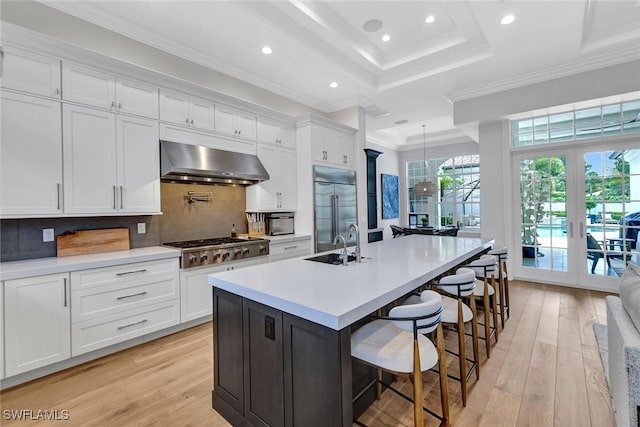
(424, 188)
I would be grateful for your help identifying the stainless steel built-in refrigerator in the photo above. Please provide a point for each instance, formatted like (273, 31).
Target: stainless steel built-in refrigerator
(335, 205)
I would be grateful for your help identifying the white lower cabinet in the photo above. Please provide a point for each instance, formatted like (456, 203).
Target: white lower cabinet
(195, 290)
(37, 318)
(1, 331)
(114, 304)
(112, 329)
(290, 248)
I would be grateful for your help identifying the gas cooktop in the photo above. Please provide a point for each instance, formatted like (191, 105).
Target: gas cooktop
(214, 241)
(196, 253)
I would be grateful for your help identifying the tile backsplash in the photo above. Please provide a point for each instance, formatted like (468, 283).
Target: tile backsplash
(182, 220)
(22, 238)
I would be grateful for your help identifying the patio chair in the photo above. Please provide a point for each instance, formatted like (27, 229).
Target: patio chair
(595, 252)
(397, 231)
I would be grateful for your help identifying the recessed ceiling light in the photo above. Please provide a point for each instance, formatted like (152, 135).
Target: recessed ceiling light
(386, 38)
(508, 19)
(333, 85)
(430, 19)
(267, 50)
(372, 25)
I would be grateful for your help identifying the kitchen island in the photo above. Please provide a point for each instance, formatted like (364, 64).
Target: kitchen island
(282, 330)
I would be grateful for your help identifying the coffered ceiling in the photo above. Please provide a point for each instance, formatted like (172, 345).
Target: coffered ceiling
(412, 77)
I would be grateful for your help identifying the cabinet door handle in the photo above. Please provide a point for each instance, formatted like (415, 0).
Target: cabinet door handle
(113, 104)
(132, 295)
(58, 187)
(57, 91)
(187, 120)
(239, 132)
(571, 229)
(65, 291)
(119, 106)
(581, 229)
(131, 272)
(121, 197)
(191, 122)
(132, 324)
(115, 197)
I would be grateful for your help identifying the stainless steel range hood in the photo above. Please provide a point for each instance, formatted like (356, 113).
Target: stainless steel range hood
(204, 165)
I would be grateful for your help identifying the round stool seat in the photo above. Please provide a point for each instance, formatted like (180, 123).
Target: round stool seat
(450, 311)
(479, 290)
(382, 344)
(499, 251)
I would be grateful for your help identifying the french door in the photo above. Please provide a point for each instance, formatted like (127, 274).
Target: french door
(577, 213)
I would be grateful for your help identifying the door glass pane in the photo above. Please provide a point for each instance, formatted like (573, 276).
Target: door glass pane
(612, 194)
(543, 213)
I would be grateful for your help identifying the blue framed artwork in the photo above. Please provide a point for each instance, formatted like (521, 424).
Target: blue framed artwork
(389, 196)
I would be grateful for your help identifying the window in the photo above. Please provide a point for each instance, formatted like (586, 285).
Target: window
(457, 202)
(593, 122)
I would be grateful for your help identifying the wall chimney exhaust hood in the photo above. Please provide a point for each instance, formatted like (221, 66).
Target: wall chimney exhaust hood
(203, 165)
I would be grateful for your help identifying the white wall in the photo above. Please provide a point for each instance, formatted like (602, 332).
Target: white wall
(615, 80)
(495, 184)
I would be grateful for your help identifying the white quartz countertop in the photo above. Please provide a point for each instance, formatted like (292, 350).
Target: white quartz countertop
(337, 296)
(41, 266)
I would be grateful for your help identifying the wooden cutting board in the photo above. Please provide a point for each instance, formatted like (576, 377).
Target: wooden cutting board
(93, 241)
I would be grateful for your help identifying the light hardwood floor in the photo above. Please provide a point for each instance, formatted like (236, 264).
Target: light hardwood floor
(544, 371)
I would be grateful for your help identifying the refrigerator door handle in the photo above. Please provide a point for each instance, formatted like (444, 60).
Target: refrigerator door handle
(333, 216)
(336, 216)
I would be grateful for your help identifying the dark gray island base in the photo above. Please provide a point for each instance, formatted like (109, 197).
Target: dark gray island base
(275, 369)
(282, 330)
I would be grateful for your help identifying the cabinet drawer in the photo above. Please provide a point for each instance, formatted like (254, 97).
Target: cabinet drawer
(108, 330)
(100, 301)
(291, 247)
(140, 272)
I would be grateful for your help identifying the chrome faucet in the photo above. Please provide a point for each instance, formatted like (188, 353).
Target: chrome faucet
(349, 229)
(344, 255)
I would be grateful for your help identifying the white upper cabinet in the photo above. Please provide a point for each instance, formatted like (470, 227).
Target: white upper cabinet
(235, 123)
(111, 163)
(271, 132)
(31, 72)
(136, 98)
(138, 165)
(100, 89)
(278, 193)
(185, 110)
(31, 160)
(332, 146)
(37, 316)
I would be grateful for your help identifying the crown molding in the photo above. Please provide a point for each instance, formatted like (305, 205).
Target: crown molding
(43, 44)
(317, 119)
(594, 62)
(135, 32)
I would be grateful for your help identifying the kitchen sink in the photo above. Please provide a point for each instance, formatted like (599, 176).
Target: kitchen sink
(330, 259)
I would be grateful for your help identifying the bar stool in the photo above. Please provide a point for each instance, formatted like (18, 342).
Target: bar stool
(396, 344)
(484, 269)
(503, 280)
(455, 312)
